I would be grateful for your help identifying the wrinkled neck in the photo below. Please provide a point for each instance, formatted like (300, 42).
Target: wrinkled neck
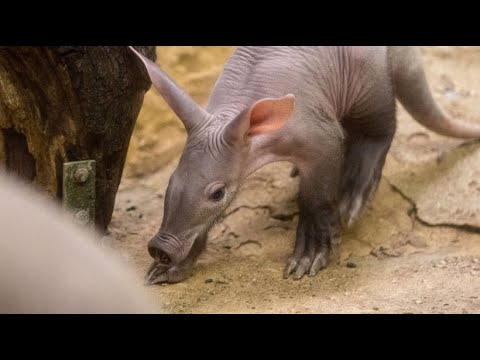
(268, 148)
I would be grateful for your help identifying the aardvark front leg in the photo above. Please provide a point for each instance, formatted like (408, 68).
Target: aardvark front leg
(319, 220)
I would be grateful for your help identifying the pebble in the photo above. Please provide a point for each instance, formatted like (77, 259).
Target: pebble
(208, 281)
(351, 265)
(417, 242)
(375, 308)
(441, 264)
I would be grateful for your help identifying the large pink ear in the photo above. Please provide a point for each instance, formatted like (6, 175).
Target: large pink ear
(264, 116)
(270, 114)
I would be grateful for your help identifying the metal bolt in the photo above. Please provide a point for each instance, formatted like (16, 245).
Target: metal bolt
(81, 217)
(80, 175)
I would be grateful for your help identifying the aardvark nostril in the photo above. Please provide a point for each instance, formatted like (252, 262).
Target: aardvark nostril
(163, 257)
(159, 255)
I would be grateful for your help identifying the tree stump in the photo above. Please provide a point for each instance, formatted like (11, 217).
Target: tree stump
(70, 103)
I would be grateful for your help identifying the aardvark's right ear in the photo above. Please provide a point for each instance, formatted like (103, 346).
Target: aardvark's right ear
(264, 116)
(189, 112)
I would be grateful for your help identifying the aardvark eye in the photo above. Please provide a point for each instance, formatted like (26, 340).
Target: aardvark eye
(218, 194)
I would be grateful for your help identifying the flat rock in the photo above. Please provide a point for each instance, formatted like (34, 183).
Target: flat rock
(446, 189)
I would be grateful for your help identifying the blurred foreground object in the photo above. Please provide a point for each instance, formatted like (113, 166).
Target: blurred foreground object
(47, 265)
(69, 103)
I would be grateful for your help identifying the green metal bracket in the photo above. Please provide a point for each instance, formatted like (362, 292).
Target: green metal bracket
(79, 191)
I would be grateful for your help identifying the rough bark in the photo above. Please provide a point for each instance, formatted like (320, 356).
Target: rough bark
(70, 103)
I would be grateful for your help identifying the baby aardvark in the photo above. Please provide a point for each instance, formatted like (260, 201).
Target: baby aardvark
(330, 110)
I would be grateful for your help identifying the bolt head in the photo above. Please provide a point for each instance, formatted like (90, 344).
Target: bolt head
(81, 217)
(80, 175)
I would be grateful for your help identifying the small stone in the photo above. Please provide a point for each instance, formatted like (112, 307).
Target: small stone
(441, 264)
(376, 308)
(450, 94)
(208, 281)
(377, 253)
(418, 302)
(417, 242)
(392, 252)
(351, 265)
(132, 208)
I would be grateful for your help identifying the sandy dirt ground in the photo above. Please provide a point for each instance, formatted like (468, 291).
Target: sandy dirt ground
(415, 249)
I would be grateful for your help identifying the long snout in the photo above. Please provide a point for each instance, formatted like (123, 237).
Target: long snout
(166, 248)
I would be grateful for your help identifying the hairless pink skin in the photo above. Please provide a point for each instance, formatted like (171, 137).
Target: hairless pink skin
(329, 110)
